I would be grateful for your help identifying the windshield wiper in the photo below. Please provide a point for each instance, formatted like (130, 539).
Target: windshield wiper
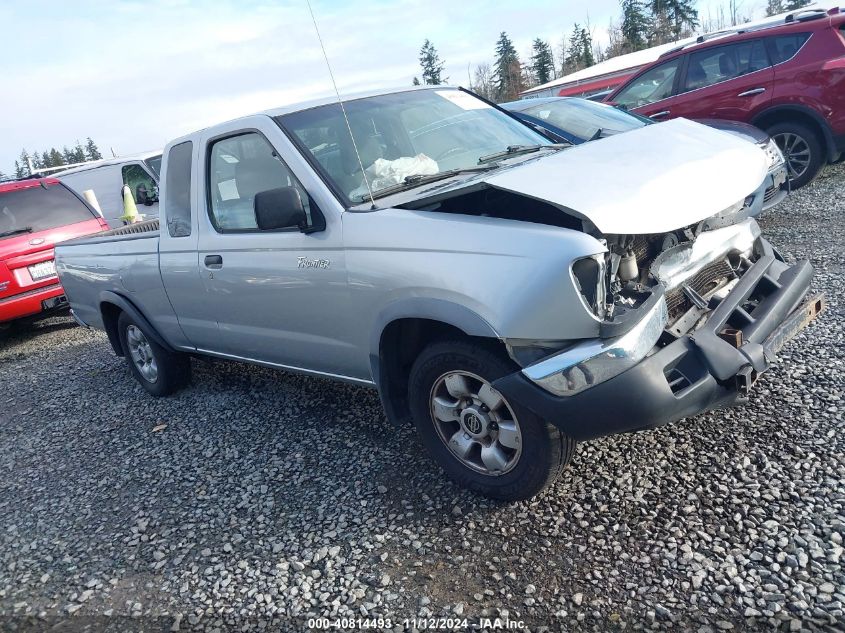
(516, 150)
(415, 180)
(25, 229)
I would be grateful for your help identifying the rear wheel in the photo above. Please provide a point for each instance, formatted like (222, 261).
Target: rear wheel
(802, 149)
(158, 371)
(482, 441)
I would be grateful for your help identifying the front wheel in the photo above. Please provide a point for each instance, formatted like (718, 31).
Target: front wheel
(482, 441)
(802, 149)
(158, 371)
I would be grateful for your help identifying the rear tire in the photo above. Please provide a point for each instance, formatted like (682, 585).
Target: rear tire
(157, 370)
(802, 148)
(492, 446)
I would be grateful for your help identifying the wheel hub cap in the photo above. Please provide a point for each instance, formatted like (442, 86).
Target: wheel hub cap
(476, 423)
(141, 353)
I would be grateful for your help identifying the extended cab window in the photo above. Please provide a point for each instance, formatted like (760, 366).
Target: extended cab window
(39, 208)
(722, 63)
(653, 85)
(177, 193)
(240, 167)
(782, 48)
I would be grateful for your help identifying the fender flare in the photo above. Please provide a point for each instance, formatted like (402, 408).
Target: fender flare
(444, 311)
(827, 133)
(107, 296)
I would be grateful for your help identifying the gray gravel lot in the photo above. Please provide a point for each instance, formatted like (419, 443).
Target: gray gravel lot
(262, 498)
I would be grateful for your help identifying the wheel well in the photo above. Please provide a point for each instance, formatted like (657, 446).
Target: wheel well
(399, 346)
(111, 313)
(789, 116)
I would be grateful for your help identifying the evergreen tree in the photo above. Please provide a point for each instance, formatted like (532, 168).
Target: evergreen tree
(22, 167)
(67, 155)
(635, 25)
(574, 50)
(671, 19)
(91, 150)
(792, 5)
(542, 61)
(508, 71)
(432, 66)
(774, 7)
(587, 56)
(78, 153)
(416, 81)
(46, 160)
(56, 157)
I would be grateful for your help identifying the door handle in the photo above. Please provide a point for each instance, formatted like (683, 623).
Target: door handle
(752, 92)
(657, 115)
(214, 261)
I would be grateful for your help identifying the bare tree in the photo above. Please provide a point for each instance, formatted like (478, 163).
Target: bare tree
(483, 81)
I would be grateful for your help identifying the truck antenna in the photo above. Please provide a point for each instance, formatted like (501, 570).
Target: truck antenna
(342, 108)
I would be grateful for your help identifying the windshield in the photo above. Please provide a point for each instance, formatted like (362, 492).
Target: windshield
(154, 163)
(413, 133)
(37, 209)
(585, 119)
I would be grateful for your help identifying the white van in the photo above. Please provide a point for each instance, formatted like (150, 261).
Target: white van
(107, 177)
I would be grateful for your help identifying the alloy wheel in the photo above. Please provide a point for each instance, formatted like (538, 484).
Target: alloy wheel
(796, 152)
(141, 353)
(476, 423)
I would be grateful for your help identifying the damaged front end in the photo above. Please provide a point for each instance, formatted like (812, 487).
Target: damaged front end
(689, 319)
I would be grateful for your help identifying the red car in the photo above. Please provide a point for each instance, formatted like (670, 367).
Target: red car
(34, 215)
(786, 78)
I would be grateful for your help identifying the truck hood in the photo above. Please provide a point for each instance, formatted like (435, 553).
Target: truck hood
(651, 180)
(654, 179)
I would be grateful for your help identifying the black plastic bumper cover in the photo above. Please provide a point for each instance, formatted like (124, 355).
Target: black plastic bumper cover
(694, 373)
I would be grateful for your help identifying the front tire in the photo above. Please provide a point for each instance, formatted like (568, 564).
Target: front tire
(483, 442)
(157, 370)
(802, 149)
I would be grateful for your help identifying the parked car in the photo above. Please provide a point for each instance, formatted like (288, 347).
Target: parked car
(35, 215)
(579, 120)
(107, 178)
(478, 277)
(787, 79)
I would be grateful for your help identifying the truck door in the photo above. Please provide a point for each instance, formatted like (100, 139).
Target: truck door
(278, 296)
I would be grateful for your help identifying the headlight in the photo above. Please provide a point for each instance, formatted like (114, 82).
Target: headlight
(588, 273)
(774, 156)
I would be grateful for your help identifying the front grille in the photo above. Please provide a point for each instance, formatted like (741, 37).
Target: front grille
(702, 282)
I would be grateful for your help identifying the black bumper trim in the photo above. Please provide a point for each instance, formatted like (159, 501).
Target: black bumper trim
(692, 374)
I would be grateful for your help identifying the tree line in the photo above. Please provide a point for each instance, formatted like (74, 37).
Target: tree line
(53, 157)
(641, 24)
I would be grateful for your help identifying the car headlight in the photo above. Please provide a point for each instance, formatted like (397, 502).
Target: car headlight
(774, 157)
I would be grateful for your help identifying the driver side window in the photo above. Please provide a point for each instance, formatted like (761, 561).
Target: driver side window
(653, 85)
(240, 167)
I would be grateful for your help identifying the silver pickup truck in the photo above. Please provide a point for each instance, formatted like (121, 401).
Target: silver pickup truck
(507, 295)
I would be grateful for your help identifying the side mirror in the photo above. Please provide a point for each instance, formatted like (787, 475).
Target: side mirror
(279, 208)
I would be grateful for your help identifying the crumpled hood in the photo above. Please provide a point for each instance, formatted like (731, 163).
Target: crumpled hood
(651, 180)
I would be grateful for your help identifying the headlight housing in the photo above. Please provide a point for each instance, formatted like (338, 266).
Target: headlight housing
(774, 157)
(588, 274)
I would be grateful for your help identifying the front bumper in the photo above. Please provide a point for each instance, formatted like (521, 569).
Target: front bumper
(777, 187)
(708, 369)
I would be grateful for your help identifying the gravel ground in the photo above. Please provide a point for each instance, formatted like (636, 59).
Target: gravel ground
(261, 498)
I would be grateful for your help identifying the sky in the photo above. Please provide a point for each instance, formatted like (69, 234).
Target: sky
(134, 74)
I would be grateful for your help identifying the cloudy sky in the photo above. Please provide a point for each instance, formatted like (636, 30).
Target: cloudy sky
(133, 74)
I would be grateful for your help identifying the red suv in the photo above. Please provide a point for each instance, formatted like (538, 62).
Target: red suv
(34, 215)
(786, 78)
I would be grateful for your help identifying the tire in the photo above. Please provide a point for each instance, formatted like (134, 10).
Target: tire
(157, 370)
(528, 461)
(799, 142)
